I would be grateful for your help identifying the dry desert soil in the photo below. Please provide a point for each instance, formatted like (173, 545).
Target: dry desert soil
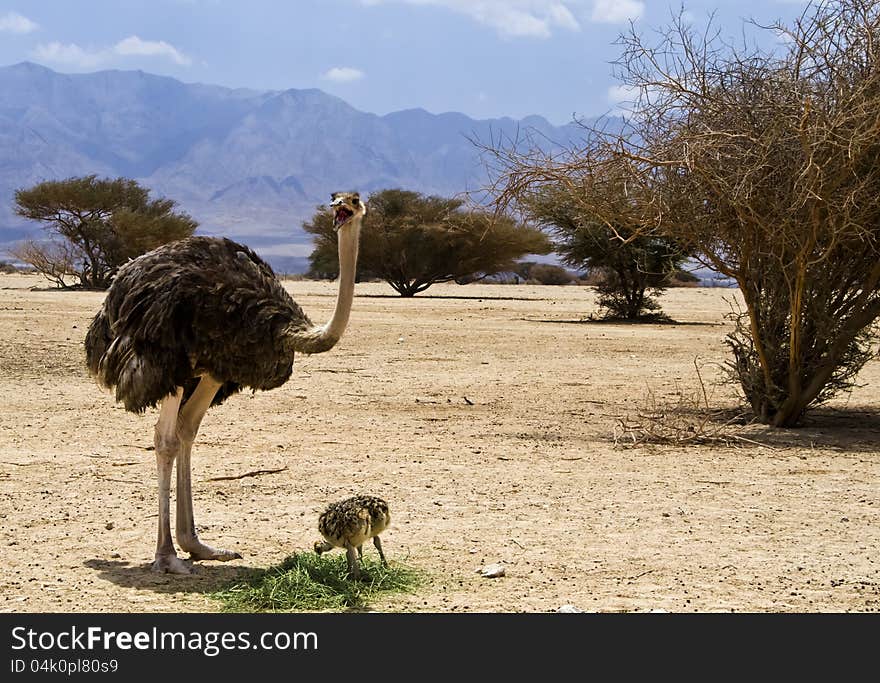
(499, 426)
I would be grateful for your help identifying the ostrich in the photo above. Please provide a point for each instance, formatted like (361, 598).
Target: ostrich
(350, 522)
(185, 326)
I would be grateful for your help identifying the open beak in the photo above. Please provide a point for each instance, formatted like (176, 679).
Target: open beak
(341, 214)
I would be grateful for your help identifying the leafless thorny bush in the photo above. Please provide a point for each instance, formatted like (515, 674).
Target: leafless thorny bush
(685, 419)
(764, 164)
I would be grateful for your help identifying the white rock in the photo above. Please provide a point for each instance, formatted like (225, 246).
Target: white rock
(492, 571)
(569, 609)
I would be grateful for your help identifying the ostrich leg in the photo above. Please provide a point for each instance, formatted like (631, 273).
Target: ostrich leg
(354, 571)
(189, 420)
(378, 544)
(167, 449)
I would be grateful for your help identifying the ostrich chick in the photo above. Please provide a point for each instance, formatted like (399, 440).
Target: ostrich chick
(350, 522)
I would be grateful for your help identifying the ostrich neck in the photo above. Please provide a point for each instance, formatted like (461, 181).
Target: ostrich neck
(348, 252)
(324, 337)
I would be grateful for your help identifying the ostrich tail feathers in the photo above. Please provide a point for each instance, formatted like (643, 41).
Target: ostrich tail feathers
(98, 338)
(141, 379)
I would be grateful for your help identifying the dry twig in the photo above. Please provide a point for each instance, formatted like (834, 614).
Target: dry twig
(255, 473)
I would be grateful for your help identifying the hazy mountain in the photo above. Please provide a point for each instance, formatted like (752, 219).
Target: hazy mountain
(248, 164)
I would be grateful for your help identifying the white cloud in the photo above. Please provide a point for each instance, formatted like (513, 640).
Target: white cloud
(510, 18)
(625, 100)
(617, 11)
(69, 55)
(73, 55)
(150, 48)
(13, 22)
(343, 74)
(622, 98)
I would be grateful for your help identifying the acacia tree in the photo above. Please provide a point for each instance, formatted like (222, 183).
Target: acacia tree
(543, 273)
(96, 225)
(765, 165)
(413, 241)
(633, 266)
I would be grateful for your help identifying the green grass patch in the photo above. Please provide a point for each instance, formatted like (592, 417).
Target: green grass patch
(311, 582)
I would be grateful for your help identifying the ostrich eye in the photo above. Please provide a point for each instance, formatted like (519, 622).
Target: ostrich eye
(354, 202)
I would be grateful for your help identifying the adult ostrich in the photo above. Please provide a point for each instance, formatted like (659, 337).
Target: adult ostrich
(192, 322)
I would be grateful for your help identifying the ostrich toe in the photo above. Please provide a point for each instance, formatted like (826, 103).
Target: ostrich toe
(171, 564)
(200, 551)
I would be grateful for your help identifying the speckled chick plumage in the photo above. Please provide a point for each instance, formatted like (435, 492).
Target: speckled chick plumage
(353, 521)
(350, 522)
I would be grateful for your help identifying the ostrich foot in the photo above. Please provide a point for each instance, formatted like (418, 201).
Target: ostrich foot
(355, 573)
(199, 551)
(170, 564)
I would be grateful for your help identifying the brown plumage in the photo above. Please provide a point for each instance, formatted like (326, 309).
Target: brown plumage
(349, 523)
(199, 305)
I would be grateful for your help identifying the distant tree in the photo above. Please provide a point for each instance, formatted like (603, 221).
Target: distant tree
(56, 261)
(683, 278)
(95, 225)
(7, 268)
(412, 241)
(544, 273)
(633, 268)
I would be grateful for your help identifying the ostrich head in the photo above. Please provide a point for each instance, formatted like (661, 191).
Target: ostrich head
(345, 206)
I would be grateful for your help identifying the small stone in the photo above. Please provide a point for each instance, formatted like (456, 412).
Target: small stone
(108, 526)
(569, 609)
(492, 571)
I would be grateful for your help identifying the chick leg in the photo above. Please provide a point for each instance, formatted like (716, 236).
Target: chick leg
(354, 571)
(378, 544)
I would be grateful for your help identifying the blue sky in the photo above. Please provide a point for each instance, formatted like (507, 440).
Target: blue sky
(485, 58)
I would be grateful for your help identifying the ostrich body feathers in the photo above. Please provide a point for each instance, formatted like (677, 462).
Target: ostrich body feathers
(201, 305)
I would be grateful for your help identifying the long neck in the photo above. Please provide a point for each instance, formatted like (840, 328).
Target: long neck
(324, 337)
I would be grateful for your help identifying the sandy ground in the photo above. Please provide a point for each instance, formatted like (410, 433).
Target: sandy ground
(486, 416)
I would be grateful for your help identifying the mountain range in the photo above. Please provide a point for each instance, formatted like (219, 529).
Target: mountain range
(247, 164)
